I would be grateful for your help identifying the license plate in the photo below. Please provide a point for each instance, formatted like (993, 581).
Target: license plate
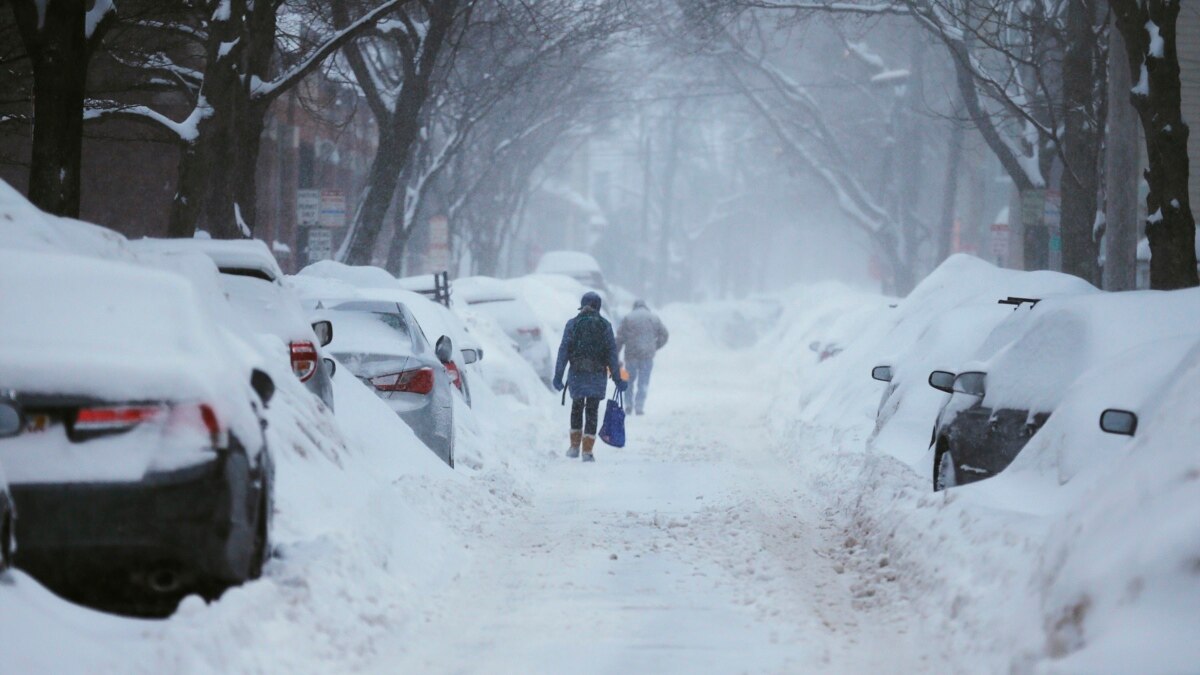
(35, 423)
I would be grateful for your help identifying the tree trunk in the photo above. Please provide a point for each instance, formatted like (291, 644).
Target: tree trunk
(219, 166)
(59, 51)
(401, 127)
(1080, 249)
(1121, 181)
(376, 198)
(1154, 64)
(950, 194)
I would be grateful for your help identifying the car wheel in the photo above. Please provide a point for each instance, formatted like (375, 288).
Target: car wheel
(945, 473)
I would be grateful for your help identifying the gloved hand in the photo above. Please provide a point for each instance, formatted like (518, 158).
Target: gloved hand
(558, 385)
(622, 385)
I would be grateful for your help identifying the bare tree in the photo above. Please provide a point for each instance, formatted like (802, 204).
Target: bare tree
(60, 41)
(394, 68)
(1148, 29)
(229, 89)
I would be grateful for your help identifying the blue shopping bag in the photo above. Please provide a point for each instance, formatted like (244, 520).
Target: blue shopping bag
(613, 429)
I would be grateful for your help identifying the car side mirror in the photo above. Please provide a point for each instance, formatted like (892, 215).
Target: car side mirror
(942, 380)
(472, 355)
(331, 365)
(263, 385)
(882, 373)
(324, 331)
(1120, 422)
(444, 349)
(12, 418)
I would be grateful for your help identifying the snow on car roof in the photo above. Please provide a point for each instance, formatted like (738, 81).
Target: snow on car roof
(483, 289)
(567, 261)
(361, 276)
(1063, 337)
(86, 326)
(228, 254)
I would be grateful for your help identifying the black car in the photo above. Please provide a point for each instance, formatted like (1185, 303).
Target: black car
(140, 470)
(971, 441)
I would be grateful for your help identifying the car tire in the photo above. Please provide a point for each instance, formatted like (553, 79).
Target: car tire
(945, 472)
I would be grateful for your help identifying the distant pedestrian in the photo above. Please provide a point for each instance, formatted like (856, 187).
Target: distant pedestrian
(641, 334)
(589, 347)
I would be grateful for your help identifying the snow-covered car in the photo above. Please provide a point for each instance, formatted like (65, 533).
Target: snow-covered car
(577, 265)
(496, 299)
(142, 472)
(435, 319)
(383, 345)
(252, 281)
(999, 401)
(12, 422)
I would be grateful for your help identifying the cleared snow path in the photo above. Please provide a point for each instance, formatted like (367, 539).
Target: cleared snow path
(693, 549)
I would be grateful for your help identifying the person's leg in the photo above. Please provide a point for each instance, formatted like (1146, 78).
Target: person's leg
(645, 366)
(591, 413)
(577, 406)
(634, 367)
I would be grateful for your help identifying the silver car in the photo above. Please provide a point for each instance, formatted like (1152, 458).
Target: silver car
(382, 344)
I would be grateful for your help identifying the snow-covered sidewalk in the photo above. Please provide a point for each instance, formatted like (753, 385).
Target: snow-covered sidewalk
(690, 550)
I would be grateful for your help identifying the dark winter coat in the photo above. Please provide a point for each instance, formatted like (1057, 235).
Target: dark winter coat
(587, 385)
(642, 334)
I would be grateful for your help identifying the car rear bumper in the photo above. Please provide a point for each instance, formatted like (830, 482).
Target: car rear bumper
(81, 537)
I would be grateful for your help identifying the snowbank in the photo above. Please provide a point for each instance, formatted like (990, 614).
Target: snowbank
(1081, 556)
(368, 525)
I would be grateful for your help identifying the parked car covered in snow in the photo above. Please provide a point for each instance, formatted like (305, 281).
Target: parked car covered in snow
(252, 281)
(577, 265)
(382, 344)
(1021, 373)
(497, 300)
(142, 472)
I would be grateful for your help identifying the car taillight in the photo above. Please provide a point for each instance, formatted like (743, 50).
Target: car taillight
(199, 417)
(419, 381)
(455, 376)
(114, 418)
(534, 332)
(304, 360)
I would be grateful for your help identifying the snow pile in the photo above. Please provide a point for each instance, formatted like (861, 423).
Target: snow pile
(1121, 572)
(1081, 556)
(368, 521)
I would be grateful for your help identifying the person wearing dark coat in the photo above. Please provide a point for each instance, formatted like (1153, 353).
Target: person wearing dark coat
(641, 335)
(590, 348)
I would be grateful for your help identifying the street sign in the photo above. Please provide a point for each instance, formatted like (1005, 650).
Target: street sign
(1000, 244)
(320, 244)
(438, 255)
(333, 208)
(308, 207)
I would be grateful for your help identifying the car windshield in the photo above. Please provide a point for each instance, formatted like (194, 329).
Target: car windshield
(369, 331)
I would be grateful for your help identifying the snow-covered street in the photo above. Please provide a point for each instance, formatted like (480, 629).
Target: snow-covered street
(689, 550)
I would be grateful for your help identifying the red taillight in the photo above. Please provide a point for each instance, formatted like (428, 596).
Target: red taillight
(199, 417)
(534, 332)
(114, 418)
(304, 360)
(419, 381)
(455, 376)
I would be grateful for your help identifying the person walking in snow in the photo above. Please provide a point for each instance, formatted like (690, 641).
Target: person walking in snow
(589, 347)
(641, 335)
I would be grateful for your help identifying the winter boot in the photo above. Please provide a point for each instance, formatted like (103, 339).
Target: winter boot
(589, 442)
(576, 437)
